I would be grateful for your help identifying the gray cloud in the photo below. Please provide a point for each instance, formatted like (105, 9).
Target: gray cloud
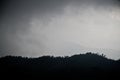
(59, 27)
(15, 18)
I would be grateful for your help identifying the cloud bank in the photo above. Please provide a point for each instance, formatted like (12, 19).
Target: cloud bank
(59, 27)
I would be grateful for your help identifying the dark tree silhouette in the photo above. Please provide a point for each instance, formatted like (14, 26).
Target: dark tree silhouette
(81, 66)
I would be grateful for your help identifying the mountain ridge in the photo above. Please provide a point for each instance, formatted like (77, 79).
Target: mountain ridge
(81, 66)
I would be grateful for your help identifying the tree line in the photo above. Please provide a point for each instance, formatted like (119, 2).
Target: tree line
(89, 65)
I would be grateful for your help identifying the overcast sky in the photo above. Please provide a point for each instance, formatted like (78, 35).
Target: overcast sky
(59, 27)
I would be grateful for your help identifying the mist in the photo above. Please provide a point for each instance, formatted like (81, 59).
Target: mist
(60, 27)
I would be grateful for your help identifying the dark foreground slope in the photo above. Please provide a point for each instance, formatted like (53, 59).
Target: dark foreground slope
(82, 66)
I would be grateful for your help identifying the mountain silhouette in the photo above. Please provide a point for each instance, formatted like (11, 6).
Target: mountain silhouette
(80, 66)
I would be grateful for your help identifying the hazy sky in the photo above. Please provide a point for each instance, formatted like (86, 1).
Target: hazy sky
(59, 27)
